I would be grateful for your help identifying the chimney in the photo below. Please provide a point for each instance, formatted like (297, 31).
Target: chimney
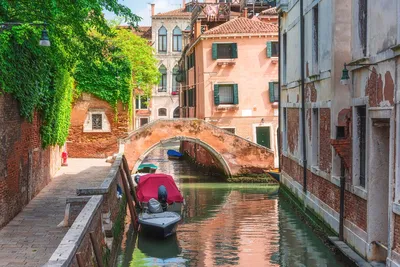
(197, 29)
(153, 6)
(183, 3)
(245, 12)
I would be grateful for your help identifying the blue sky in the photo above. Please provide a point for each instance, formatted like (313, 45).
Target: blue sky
(142, 8)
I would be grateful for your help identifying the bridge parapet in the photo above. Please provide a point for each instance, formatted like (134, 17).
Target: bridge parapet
(237, 155)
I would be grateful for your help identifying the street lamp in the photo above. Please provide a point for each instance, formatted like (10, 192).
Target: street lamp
(44, 40)
(345, 72)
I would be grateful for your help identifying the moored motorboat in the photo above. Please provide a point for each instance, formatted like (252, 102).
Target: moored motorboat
(147, 168)
(162, 224)
(172, 154)
(149, 185)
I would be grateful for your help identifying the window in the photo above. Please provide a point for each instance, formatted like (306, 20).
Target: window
(190, 60)
(231, 130)
(272, 49)
(163, 81)
(143, 121)
(177, 113)
(362, 24)
(224, 50)
(97, 121)
(162, 112)
(162, 39)
(315, 137)
(284, 130)
(226, 94)
(175, 73)
(273, 92)
(141, 102)
(191, 97)
(284, 58)
(361, 132)
(315, 48)
(177, 39)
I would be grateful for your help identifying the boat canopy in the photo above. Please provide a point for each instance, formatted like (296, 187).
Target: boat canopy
(149, 184)
(147, 165)
(174, 153)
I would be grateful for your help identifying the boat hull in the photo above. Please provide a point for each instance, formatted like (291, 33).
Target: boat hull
(158, 232)
(160, 225)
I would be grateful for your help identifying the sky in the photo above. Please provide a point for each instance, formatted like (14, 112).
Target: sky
(142, 8)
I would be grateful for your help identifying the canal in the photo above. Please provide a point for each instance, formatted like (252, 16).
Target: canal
(227, 225)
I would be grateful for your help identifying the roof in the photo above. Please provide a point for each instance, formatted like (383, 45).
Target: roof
(174, 13)
(143, 31)
(243, 25)
(269, 12)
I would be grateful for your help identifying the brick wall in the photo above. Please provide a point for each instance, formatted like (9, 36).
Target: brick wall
(327, 192)
(325, 150)
(396, 238)
(197, 152)
(293, 129)
(25, 168)
(96, 144)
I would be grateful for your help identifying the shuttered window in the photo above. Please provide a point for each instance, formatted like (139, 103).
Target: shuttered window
(272, 49)
(224, 50)
(273, 92)
(226, 94)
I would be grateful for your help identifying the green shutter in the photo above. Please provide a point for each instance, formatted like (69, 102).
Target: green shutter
(234, 50)
(235, 94)
(214, 51)
(216, 94)
(271, 92)
(269, 49)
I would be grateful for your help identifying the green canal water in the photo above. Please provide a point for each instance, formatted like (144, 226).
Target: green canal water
(227, 225)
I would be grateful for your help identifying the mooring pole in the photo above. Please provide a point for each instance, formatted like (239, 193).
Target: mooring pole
(342, 191)
(128, 198)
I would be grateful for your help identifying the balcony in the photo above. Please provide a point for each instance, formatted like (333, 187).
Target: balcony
(282, 5)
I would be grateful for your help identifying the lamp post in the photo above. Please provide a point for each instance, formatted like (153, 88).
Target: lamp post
(345, 72)
(44, 40)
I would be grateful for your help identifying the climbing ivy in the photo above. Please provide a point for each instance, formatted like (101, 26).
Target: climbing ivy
(41, 78)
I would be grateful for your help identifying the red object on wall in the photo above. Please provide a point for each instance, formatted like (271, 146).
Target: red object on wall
(64, 158)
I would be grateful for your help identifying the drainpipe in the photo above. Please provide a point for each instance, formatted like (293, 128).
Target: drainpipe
(279, 95)
(303, 105)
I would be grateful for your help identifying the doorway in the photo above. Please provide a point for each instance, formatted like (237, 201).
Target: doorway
(263, 136)
(378, 187)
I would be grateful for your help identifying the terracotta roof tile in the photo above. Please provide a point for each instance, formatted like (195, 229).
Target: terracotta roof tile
(269, 12)
(143, 31)
(243, 25)
(174, 13)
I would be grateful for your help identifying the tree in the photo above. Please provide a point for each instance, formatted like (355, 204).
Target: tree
(40, 78)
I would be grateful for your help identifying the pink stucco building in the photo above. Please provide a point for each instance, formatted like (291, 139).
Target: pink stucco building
(230, 79)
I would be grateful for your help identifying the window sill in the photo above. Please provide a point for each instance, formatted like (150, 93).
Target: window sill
(226, 61)
(227, 106)
(396, 208)
(97, 131)
(359, 191)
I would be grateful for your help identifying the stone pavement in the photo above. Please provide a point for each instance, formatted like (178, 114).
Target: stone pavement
(32, 236)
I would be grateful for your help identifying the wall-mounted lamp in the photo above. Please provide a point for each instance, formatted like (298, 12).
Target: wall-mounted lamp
(345, 72)
(262, 121)
(44, 39)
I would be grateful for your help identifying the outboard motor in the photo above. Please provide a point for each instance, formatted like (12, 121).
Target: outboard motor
(163, 196)
(137, 178)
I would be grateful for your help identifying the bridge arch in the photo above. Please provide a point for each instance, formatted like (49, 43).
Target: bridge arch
(206, 146)
(236, 155)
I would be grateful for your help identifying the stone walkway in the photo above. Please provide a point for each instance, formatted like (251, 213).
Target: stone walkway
(32, 236)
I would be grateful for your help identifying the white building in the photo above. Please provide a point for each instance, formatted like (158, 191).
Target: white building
(167, 41)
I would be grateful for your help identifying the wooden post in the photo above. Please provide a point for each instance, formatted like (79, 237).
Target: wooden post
(79, 259)
(129, 177)
(96, 249)
(128, 198)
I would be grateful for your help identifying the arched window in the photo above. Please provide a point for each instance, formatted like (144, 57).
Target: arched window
(188, 28)
(163, 81)
(162, 112)
(177, 40)
(162, 39)
(175, 85)
(177, 113)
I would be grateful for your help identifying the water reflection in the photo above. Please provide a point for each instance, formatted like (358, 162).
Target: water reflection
(228, 225)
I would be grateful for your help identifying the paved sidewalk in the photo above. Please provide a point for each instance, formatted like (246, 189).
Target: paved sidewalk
(32, 236)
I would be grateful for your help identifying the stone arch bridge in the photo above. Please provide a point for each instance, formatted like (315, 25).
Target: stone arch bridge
(234, 154)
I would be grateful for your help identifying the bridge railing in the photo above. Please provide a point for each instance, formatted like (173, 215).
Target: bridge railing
(96, 218)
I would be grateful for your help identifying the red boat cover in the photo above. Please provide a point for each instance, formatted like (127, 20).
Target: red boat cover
(148, 187)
